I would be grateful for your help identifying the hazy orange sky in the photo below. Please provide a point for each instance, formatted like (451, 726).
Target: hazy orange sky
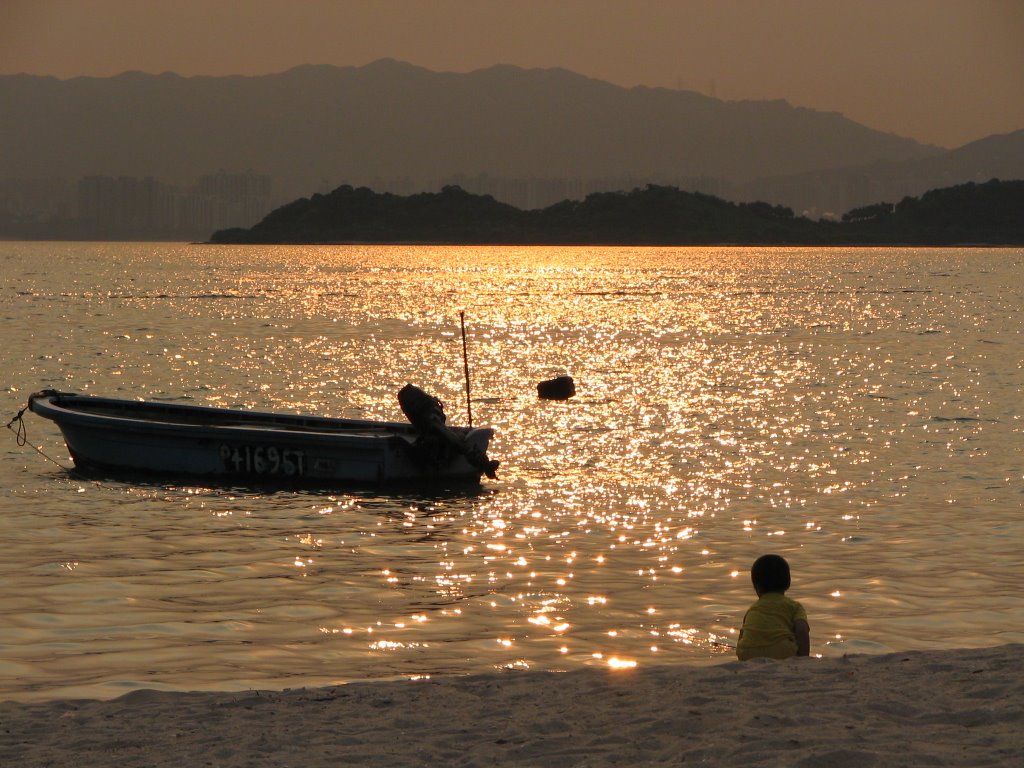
(940, 71)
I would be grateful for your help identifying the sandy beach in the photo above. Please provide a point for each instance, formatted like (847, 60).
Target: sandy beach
(934, 708)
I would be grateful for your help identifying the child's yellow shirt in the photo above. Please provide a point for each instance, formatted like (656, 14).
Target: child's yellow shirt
(768, 628)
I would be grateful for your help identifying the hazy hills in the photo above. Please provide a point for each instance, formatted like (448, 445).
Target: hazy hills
(990, 213)
(398, 127)
(1000, 156)
(317, 124)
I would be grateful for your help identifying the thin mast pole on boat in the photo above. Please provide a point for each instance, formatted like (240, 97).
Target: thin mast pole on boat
(465, 365)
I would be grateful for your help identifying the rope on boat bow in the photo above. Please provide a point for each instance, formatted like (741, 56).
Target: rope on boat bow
(21, 436)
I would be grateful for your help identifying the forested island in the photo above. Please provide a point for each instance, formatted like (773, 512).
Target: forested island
(991, 213)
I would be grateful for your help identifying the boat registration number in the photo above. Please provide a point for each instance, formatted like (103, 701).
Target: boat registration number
(263, 460)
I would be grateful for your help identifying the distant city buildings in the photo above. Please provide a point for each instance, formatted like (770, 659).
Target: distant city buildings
(32, 201)
(234, 199)
(128, 207)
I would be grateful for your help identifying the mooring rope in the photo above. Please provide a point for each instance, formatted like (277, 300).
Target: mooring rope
(21, 437)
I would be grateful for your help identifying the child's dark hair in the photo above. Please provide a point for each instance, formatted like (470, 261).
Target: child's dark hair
(770, 573)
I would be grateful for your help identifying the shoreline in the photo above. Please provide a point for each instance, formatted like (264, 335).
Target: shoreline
(854, 244)
(961, 707)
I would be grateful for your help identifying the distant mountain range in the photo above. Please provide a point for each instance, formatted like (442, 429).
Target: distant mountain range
(994, 157)
(391, 124)
(973, 214)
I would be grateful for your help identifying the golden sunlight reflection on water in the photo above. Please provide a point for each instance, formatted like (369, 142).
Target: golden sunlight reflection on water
(855, 410)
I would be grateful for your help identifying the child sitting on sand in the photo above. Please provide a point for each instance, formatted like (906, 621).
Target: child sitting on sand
(774, 627)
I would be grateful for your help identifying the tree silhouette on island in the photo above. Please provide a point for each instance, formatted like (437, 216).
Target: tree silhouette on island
(968, 214)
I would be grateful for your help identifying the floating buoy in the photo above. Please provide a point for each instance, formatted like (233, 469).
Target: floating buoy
(560, 388)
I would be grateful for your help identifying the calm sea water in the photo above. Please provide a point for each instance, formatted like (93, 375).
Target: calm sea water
(855, 410)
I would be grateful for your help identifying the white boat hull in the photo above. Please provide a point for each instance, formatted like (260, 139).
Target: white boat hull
(143, 437)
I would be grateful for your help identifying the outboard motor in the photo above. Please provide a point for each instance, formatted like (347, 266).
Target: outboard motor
(426, 413)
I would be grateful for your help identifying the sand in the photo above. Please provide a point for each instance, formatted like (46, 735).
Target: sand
(933, 708)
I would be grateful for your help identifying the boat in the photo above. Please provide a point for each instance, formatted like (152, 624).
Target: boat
(223, 445)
